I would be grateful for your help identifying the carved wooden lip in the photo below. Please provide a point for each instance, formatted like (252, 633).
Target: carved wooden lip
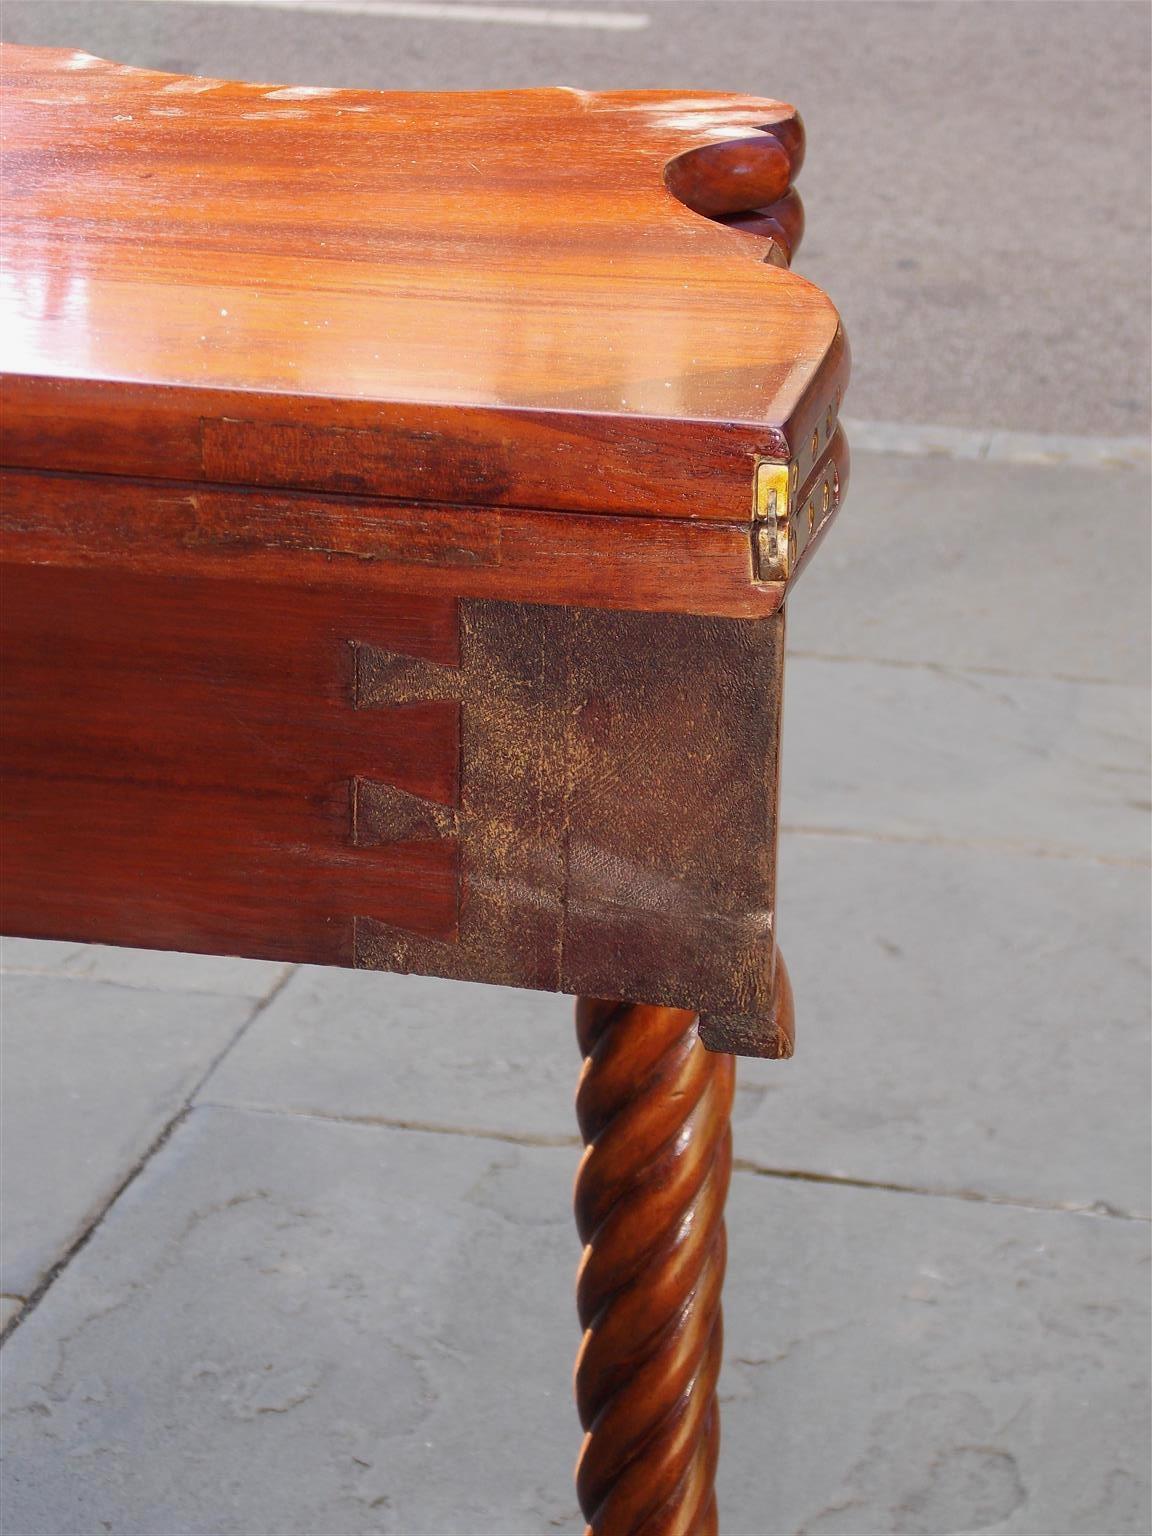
(492, 273)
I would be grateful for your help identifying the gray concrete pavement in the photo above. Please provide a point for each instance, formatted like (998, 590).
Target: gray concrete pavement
(976, 187)
(290, 1251)
(67, 1146)
(294, 1327)
(1035, 570)
(91, 1082)
(148, 969)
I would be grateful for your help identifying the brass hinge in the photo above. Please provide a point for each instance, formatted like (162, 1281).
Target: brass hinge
(773, 532)
(785, 523)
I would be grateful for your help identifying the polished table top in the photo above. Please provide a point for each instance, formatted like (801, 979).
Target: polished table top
(516, 267)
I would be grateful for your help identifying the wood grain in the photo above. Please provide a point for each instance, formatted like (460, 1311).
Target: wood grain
(617, 812)
(399, 294)
(334, 773)
(248, 534)
(653, 1106)
(179, 759)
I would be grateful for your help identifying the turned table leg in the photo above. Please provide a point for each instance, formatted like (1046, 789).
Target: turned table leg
(653, 1106)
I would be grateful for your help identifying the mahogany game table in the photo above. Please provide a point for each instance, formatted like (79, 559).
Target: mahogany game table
(401, 496)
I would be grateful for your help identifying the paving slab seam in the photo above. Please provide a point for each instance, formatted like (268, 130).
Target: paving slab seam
(974, 844)
(59, 973)
(32, 1301)
(949, 669)
(1099, 1208)
(385, 1123)
(986, 444)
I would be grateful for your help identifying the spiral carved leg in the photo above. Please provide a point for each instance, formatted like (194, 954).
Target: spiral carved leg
(653, 1107)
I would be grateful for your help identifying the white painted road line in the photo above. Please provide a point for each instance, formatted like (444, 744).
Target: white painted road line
(445, 10)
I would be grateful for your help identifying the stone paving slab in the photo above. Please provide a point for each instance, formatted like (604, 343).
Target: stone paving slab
(954, 563)
(93, 1073)
(967, 1021)
(1037, 763)
(411, 1050)
(291, 1327)
(153, 969)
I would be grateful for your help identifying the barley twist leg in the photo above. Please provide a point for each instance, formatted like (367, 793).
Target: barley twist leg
(653, 1107)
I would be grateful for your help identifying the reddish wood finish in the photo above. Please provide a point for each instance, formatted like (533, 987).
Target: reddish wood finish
(653, 1106)
(782, 222)
(404, 287)
(332, 772)
(231, 533)
(731, 177)
(581, 870)
(179, 755)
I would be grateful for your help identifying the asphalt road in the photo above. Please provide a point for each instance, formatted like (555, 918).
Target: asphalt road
(977, 178)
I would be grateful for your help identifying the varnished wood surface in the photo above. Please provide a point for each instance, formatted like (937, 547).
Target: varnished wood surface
(481, 298)
(343, 772)
(180, 757)
(246, 534)
(653, 1106)
(238, 639)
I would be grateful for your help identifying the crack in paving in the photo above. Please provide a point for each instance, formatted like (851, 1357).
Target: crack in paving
(158, 1142)
(978, 844)
(389, 1123)
(1099, 1208)
(958, 669)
